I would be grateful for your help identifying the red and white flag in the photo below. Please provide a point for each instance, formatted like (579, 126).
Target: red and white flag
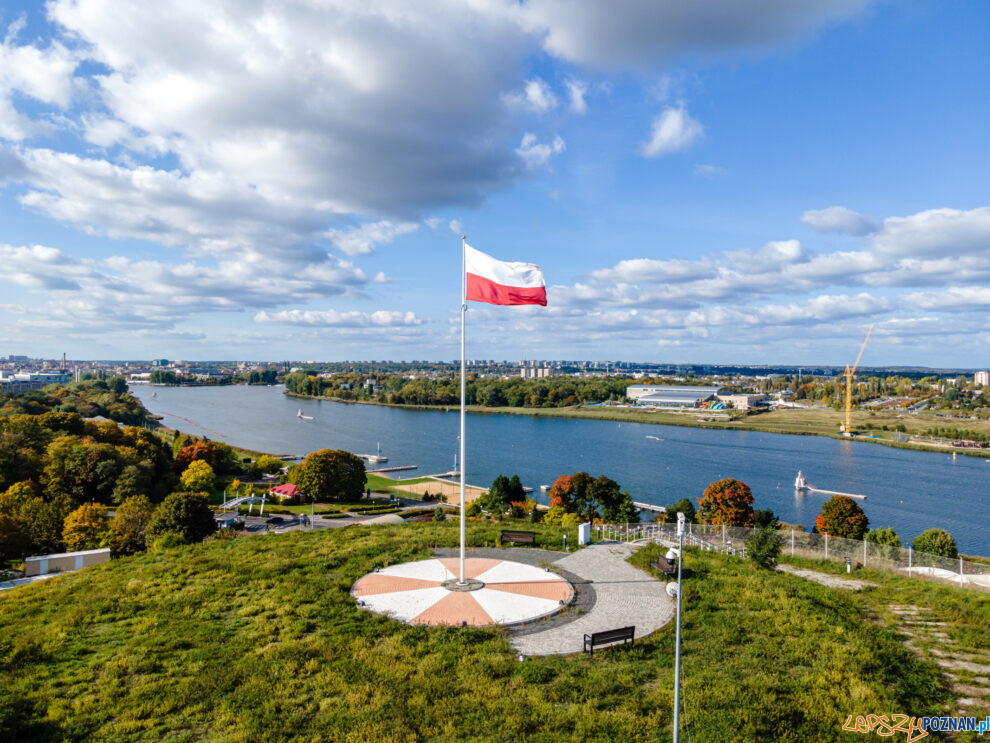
(502, 282)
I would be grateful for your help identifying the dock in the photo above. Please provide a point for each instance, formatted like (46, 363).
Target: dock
(834, 492)
(397, 468)
(650, 507)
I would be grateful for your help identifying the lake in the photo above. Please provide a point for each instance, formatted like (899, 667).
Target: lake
(908, 490)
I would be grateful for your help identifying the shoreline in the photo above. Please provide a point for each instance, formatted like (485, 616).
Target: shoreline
(741, 422)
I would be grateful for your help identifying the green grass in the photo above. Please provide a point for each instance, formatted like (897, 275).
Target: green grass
(258, 639)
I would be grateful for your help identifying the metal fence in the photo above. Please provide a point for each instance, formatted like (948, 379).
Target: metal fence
(732, 540)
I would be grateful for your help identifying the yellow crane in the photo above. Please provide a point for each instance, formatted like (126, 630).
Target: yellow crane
(846, 429)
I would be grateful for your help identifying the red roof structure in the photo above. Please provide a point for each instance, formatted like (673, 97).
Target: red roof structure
(285, 491)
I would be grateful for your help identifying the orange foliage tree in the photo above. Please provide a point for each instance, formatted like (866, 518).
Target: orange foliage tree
(842, 517)
(561, 493)
(726, 502)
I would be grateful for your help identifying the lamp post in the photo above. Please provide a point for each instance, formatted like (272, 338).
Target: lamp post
(677, 652)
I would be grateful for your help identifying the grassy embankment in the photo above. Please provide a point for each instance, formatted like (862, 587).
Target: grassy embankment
(258, 638)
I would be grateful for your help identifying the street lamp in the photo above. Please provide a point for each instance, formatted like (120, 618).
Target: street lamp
(677, 652)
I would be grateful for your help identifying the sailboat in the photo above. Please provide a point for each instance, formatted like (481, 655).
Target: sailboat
(303, 417)
(799, 482)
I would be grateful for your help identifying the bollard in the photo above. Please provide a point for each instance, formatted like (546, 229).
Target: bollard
(849, 565)
(565, 543)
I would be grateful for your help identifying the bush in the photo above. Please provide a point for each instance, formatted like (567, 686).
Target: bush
(763, 547)
(936, 542)
(186, 515)
(129, 524)
(765, 519)
(472, 509)
(167, 541)
(684, 505)
(268, 464)
(438, 514)
(842, 517)
(198, 476)
(726, 502)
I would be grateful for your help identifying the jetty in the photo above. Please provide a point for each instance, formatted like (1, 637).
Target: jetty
(649, 507)
(801, 485)
(397, 468)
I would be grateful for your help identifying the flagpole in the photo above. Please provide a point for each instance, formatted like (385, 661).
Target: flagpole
(463, 389)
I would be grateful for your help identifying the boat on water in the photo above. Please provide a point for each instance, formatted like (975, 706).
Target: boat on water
(154, 394)
(801, 485)
(377, 458)
(655, 438)
(303, 417)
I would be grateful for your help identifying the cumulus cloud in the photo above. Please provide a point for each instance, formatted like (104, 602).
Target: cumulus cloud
(536, 96)
(709, 171)
(576, 92)
(936, 232)
(536, 154)
(839, 219)
(363, 239)
(333, 318)
(672, 130)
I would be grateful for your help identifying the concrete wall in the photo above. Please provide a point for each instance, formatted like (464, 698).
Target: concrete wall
(64, 562)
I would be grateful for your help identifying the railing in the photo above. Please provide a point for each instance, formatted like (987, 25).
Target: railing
(732, 540)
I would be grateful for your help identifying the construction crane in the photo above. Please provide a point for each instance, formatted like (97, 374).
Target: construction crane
(846, 429)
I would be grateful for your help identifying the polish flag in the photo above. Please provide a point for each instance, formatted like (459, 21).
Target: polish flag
(502, 282)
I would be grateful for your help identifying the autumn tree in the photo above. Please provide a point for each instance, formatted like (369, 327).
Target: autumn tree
(129, 524)
(330, 475)
(268, 464)
(185, 515)
(561, 493)
(198, 477)
(85, 527)
(842, 517)
(726, 502)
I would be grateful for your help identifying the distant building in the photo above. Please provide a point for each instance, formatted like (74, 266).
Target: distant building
(532, 372)
(18, 359)
(671, 396)
(159, 362)
(981, 379)
(743, 402)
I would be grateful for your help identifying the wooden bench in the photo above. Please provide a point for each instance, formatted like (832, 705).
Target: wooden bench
(665, 566)
(518, 537)
(623, 635)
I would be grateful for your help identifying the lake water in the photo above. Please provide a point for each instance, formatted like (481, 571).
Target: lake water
(908, 490)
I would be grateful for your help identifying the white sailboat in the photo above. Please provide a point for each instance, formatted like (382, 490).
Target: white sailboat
(799, 482)
(303, 417)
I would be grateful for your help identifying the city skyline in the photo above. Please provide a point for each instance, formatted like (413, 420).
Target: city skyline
(709, 183)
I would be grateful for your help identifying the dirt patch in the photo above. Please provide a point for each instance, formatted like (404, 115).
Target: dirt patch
(832, 581)
(451, 490)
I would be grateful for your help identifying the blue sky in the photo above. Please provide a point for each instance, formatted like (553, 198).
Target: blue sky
(753, 182)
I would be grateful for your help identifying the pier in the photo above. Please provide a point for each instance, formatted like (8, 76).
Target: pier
(811, 489)
(649, 507)
(397, 468)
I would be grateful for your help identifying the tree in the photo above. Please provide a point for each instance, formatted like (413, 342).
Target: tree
(936, 542)
(14, 539)
(330, 475)
(185, 515)
(439, 515)
(726, 502)
(561, 494)
(498, 497)
(129, 524)
(85, 527)
(268, 464)
(685, 506)
(888, 544)
(765, 518)
(516, 492)
(842, 517)
(198, 477)
(763, 546)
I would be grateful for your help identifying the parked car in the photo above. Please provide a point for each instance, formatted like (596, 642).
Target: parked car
(271, 521)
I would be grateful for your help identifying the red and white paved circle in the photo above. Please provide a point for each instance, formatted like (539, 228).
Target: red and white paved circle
(512, 592)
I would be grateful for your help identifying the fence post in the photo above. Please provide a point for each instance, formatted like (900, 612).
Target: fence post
(961, 580)
(792, 543)
(723, 533)
(864, 553)
(909, 559)
(826, 545)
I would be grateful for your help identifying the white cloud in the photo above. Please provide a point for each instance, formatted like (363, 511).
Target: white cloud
(839, 219)
(709, 171)
(333, 318)
(536, 96)
(456, 226)
(433, 222)
(536, 154)
(576, 91)
(936, 232)
(672, 130)
(363, 239)
(953, 299)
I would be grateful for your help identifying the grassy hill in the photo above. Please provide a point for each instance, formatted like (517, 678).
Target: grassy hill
(258, 639)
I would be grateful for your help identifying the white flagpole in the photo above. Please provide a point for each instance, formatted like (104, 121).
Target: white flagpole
(463, 389)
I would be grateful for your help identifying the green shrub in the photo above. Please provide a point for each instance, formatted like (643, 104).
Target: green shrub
(763, 547)
(439, 515)
(936, 542)
(167, 541)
